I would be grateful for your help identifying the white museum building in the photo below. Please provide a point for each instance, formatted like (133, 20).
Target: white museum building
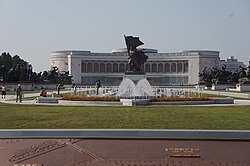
(161, 69)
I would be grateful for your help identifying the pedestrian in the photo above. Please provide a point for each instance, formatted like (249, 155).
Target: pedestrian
(58, 89)
(97, 85)
(3, 91)
(43, 92)
(19, 93)
(75, 88)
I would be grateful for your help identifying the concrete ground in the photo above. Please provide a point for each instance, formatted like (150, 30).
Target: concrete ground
(229, 94)
(10, 99)
(124, 152)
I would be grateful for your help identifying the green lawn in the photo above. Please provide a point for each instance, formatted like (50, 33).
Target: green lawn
(165, 117)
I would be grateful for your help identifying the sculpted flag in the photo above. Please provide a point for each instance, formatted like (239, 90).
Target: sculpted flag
(132, 41)
(136, 58)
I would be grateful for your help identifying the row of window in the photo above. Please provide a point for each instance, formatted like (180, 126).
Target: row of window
(115, 81)
(172, 67)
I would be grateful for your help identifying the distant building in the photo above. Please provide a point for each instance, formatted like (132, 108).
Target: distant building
(161, 68)
(231, 63)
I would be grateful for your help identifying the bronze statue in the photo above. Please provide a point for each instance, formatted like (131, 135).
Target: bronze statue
(136, 58)
(248, 72)
(244, 75)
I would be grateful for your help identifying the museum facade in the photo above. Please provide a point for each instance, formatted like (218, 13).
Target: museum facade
(161, 69)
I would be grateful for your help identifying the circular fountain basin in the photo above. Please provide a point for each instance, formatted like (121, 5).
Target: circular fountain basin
(134, 102)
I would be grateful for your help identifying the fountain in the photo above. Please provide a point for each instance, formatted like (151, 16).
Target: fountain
(128, 89)
(131, 94)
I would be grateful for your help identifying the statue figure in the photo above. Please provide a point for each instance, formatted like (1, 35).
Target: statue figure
(219, 76)
(136, 58)
(243, 73)
(233, 78)
(243, 76)
(224, 74)
(205, 76)
(214, 75)
(248, 72)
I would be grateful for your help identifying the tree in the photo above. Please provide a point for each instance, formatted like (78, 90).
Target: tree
(6, 60)
(17, 60)
(15, 69)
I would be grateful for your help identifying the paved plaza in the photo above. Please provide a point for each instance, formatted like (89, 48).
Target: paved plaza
(10, 99)
(125, 148)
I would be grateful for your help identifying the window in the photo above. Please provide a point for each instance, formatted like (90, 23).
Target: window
(121, 68)
(173, 67)
(179, 67)
(89, 67)
(154, 68)
(167, 68)
(185, 68)
(108, 68)
(160, 68)
(102, 68)
(96, 68)
(83, 68)
(115, 68)
(147, 68)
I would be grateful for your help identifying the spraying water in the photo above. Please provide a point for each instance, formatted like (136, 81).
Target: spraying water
(127, 88)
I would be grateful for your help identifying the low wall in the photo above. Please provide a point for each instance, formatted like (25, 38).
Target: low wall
(183, 103)
(47, 99)
(222, 100)
(132, 102)
(241, 88)
(222, 86)
(31, 86)
(231, 94)
(212, 101)
(25, 86)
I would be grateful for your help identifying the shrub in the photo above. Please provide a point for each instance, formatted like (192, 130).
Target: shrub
(83, 97)
(89, 98)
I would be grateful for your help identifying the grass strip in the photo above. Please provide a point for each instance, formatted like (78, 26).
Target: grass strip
(161, 117)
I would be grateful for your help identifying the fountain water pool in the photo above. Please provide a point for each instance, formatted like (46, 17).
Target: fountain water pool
(130, 93)
(128, 89)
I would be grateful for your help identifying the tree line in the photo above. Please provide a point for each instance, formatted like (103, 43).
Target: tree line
(15, 69)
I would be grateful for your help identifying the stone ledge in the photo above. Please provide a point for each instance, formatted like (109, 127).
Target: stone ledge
(124, 133)
(47, 99)
(212, 101)
(183, 103)
(134, 102)
(223, 100)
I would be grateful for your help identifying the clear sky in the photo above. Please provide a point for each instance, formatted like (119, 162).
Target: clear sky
(33, 29)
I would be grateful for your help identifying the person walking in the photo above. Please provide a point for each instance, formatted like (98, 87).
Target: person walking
(58, 89)
(19, 93)
(3, 91)
(97, 85)
(75, 88)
